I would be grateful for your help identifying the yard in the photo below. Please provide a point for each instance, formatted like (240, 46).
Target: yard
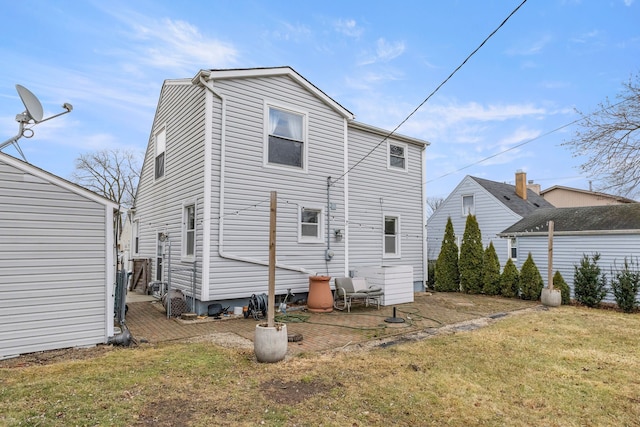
(560, 367)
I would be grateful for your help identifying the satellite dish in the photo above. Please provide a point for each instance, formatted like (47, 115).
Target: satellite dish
(31, 103)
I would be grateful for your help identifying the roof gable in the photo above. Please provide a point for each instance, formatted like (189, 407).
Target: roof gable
(580, 219)
(240, 73)
(618, 199)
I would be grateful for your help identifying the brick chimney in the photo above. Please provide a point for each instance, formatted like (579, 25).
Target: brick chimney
(534, 187)
(521, 184)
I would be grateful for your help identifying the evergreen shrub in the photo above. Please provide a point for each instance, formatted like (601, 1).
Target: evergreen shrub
(559, 283)
(625, 285)
(491, 271)
(471, 254)
(510, 280)
(589, 283)
(447, 277)
(531, 283)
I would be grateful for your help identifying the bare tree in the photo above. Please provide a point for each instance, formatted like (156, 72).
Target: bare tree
(610, 138)
(113, 174)
(433, 203)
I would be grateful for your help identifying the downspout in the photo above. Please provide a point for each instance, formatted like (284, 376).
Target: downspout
(346, 197)
(328, 254)
(221, 251)
(425, 261)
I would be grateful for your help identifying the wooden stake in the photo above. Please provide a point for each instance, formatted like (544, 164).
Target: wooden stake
(550, 257)
(272, 260)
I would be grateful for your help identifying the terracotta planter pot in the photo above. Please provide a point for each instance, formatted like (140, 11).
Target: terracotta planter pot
(270, 343)
(320, 298)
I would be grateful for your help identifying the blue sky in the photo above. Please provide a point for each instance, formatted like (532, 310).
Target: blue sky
(378, 59)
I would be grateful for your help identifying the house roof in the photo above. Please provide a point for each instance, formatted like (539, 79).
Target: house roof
(619, 199)
(506, 194)
(612, 218)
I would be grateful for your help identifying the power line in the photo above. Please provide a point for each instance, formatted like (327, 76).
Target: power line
(431, 94)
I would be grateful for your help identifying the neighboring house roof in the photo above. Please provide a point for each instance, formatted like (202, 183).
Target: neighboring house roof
(54, 179)
(618, 199)
(506, 194)
(611, 218)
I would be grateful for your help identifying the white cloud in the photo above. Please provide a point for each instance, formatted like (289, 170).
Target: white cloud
(531, 47)
(348, 27)
(628, 2)
(385, 51)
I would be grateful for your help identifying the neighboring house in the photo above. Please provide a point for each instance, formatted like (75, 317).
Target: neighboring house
(57, 262)
(612, 231)
(349, 195)
(496, 206)
(567, 197)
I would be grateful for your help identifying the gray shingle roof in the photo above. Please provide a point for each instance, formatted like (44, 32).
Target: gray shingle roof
(506, 194)
(589, 218)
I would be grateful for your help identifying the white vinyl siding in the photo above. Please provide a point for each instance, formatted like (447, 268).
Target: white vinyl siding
(56, 263)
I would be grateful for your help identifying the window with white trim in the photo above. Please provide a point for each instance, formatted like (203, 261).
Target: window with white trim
(159, 255)
(513, 248)
(135, 237)
(468, 207)
(391, 236)
(189, 231)
(310, 225)
(397, 156)
(286, 145)
(160, 139)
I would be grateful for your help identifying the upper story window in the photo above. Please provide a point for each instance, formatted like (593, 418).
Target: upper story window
(391, 236)
(286, 145)
(160, 146)
(397, 156)
(310, 229)
(468, 206)
(189, 231)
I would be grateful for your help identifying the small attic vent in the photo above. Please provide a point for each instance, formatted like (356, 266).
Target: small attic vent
(507, 197)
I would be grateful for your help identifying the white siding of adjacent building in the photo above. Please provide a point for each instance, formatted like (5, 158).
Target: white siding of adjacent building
(568, 250)
(493, 217)
(56, 262)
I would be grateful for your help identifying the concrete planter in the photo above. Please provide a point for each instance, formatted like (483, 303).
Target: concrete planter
(270, 343)
(551, 297)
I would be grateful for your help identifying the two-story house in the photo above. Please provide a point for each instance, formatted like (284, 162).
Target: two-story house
(349, 195)
(496, 206)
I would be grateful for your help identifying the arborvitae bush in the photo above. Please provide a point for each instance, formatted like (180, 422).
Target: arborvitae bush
(471, 253)
(431, 274)
(559, 283)
(530, 280)
(510, 280)
(625, 285)
(589, 283)
(491, 271)
(447, 275)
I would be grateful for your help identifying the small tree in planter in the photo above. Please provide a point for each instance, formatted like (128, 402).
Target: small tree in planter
(530, 280)
(559, 283)
(490, 271)
(625, 285)
(589, 283)
(447, 274)
(471, 254)
(510, 280)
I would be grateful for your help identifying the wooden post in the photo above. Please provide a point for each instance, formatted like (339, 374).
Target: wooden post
(550, 257)
(272, 260)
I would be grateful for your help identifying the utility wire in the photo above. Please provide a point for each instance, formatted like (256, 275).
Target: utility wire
(431, 94)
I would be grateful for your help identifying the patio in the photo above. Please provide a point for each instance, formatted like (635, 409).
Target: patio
(429, 314)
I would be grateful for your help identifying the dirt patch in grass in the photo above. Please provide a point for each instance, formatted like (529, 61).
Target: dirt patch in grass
(43, 358)
(293, 392)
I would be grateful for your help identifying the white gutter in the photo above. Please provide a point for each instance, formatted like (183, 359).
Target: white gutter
(223, 137)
